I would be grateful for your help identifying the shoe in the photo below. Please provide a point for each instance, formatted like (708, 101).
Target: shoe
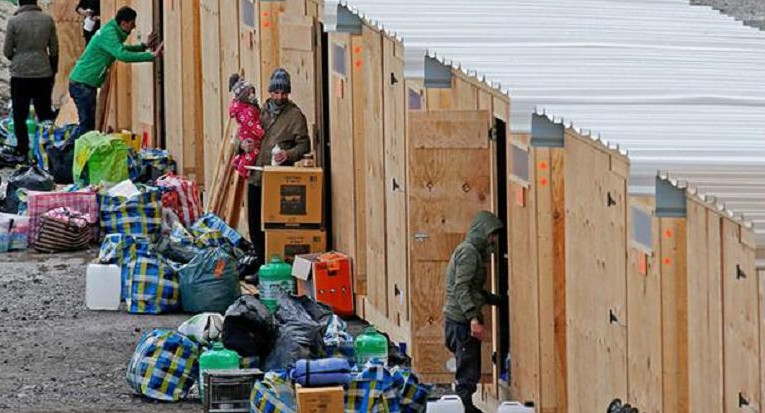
(13, 158)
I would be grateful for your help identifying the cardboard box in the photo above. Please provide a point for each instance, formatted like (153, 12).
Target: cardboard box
(287, 243)
(327, 278)
(292, 197)
(320, 399)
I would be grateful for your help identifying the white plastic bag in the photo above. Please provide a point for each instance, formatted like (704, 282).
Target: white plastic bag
(203, 328)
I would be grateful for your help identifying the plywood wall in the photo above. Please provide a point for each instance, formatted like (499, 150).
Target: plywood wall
(596, 290)
(70, 42)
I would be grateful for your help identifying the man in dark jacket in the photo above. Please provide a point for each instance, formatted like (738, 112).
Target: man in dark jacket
(106, 46)
(31, 44)
(465, 297)
(285, 126)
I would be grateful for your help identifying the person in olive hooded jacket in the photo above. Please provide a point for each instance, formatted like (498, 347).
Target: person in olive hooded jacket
(465, 297)
(106, 46)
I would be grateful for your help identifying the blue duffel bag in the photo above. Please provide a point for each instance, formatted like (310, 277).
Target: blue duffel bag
(322, 372)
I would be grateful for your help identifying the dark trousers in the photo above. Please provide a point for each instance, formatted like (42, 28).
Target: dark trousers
(257, 236)
(467, 351)
(84, 98)
(23, 92)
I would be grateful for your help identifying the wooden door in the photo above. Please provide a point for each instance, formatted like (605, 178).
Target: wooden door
(449, 182)
(297, 54)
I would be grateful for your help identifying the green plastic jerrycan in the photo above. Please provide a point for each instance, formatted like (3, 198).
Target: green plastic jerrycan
(274, 277)
(371, 345)
(217, 358)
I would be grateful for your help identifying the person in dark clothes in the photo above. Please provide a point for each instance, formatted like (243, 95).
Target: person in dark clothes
(31, 44)
(465, 298)
(286, 126)
(90, 10)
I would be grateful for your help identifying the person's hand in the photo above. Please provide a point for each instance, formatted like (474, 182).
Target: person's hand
(152, 40)
(159, 51)
(247, 145)
(476, 329)
(280, 157)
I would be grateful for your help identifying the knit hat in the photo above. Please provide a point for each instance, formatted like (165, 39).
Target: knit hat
(240, 87)
(280, 80)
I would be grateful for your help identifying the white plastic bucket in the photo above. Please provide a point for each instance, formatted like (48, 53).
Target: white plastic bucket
(446, 404)
(102, 287)
(514, 407)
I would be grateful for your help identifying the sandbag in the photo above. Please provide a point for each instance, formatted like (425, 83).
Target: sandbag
(164, 366)
(322, 372)
(203, 328)
(31, 178)
(249, 328)
(299, 336)
(102, 157)
(209, 283)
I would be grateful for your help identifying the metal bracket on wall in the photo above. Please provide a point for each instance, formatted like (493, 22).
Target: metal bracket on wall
(437, 74)
(546, 133)
(670, 200)
(347, 21)
(421, 236)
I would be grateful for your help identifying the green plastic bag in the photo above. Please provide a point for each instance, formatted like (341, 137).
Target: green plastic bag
(210, 282)
(105, 157)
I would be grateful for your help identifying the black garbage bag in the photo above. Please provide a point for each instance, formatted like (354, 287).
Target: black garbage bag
(32, 178)
(249, 328)
(299, 335)
(60, 160)
(248, 261)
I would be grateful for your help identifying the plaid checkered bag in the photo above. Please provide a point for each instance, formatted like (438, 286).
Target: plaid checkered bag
(373, 390)
(154, 163)
(413, 395)
(182, 196)
(137, 215)
(150, 283)
(38, 203)
(211, 222)
(48, 134)
(164, 366)
(275, 394)
(252, 362)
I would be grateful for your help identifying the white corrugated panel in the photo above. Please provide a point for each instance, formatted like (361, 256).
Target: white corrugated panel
(679, 89)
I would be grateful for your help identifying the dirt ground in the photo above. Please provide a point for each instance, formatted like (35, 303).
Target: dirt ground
(55, 354)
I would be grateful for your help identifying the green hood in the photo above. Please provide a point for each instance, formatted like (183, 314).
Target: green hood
(483, 225)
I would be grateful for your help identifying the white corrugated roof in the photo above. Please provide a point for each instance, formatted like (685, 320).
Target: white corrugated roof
(679, 89)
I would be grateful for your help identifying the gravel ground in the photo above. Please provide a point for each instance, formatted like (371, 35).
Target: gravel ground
(57, 356)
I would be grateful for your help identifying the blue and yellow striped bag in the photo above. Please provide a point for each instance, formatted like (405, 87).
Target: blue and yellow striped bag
(150, 283)
(138, 215)
(275, 394)
(164, 366)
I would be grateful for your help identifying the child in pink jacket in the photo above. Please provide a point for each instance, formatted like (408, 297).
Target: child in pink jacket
(245, 109)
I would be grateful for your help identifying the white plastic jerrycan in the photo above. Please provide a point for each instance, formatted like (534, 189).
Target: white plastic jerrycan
(103, 287)
(446, 404)
(514, 407)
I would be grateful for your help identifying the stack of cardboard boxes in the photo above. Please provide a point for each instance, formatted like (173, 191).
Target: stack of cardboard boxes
(292, 211)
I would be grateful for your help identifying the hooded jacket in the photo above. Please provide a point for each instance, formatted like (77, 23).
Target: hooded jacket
(466, 272)
(31, 44)
(106, 46)
(289, 130)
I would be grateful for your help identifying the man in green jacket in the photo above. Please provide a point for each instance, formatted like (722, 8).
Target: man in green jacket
(106, 46)
(465, 297)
